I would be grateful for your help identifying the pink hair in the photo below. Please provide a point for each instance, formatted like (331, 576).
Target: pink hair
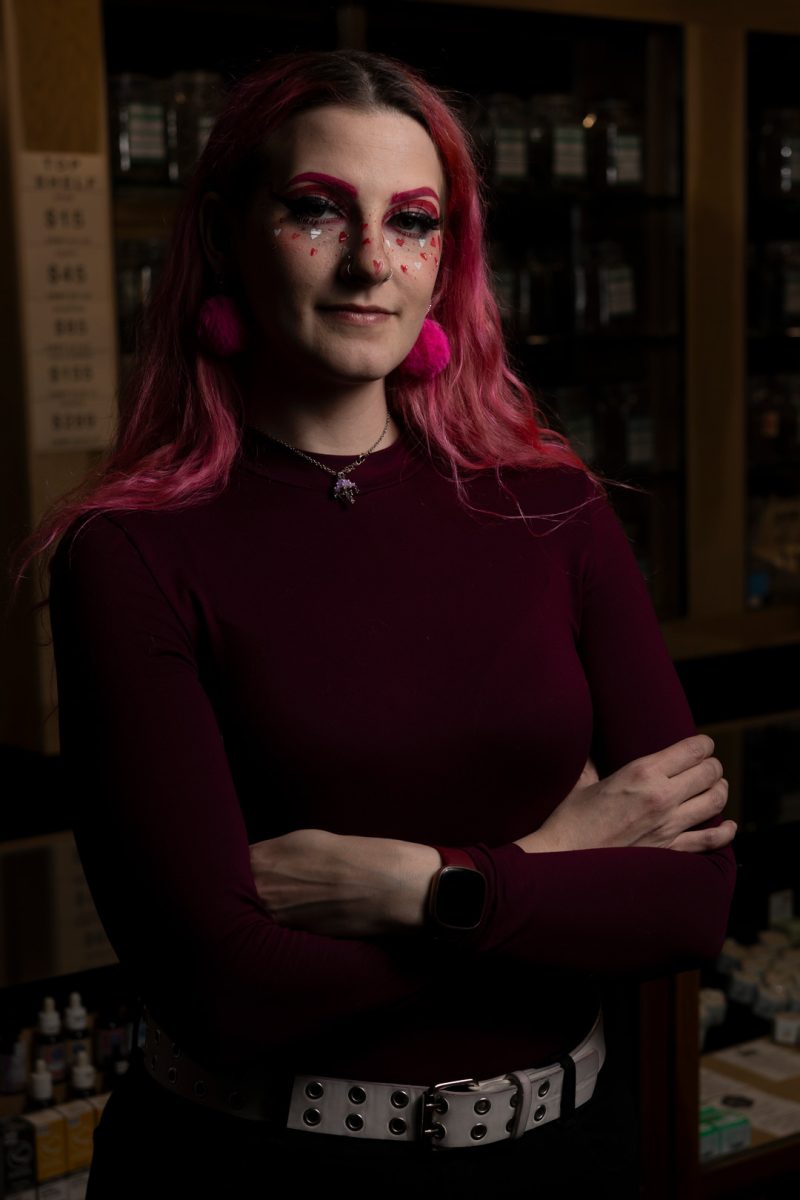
(181, 415)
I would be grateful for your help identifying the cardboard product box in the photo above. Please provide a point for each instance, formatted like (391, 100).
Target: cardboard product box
(77, 1183)
(54, 1189)
(735, 1133)
(98, 1103)
(709, 1142)
(79, 1118)
(50, 1134)
(755, 1084)
(17, 1159)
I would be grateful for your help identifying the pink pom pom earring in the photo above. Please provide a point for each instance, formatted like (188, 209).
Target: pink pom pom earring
(430, 353)
(220, 328)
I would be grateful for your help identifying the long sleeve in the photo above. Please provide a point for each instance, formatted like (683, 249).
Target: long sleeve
(613, 910)
(159, 827)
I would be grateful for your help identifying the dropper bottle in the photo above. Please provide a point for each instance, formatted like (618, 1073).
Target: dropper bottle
(76, 1031)
(49, 1042)
(82, 1077)
(41, 1088)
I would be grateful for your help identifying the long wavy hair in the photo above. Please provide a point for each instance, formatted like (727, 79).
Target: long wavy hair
(180, 415)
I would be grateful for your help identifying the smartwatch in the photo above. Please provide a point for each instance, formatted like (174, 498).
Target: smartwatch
(457, 896)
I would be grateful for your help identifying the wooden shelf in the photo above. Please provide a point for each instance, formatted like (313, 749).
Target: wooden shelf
(701, 637)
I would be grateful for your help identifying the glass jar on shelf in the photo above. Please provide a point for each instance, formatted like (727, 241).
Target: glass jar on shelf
(773, 551)
(506, 286)
(781, 278)
(757, 290)
(576, 416)
(476, 118)
(507, 121)
(605, 289)
(137, 129)
(772, 421)
(616, 146)
(138, 265)
(790, 287)
(638, 425)
(610, 425)
(789, 382)
(549, 276)
(194, 101)
(557, 143)
(779, 152)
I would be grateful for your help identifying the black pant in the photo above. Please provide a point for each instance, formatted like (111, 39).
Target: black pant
(150, 1143)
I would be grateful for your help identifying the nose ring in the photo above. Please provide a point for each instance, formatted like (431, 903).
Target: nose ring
(349, 270)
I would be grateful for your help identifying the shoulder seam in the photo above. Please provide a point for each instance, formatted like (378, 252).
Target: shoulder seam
(113, 520)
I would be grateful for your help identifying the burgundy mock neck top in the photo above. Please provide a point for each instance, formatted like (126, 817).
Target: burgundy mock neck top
(403, 667)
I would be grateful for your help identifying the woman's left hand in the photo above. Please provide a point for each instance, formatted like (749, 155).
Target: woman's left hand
(343, 885)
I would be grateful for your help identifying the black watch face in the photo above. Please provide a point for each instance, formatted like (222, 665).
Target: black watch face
(459, 898)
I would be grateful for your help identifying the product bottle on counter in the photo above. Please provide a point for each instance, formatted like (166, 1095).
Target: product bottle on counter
(41, 1087)
(112, 1036)
(13, 1058)
(49, 1042)
(116, 1069)
(82, 1077)
(76, 1033)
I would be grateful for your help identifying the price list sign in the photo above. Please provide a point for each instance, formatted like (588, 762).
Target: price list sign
(68, 308)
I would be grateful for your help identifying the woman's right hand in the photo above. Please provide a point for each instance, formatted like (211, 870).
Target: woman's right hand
(652, 801)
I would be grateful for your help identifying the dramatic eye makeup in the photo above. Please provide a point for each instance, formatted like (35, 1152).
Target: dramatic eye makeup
(320, 204)
(415, 222)
(310, 209)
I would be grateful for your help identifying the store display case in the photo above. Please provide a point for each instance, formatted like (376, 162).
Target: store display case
(773, 321)
(578, 124)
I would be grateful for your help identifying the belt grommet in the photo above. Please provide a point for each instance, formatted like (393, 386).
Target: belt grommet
(399, 1099)
(477, 1132)
(200, 1088)
(172, 1074)
(509, 1125)
(439, 1131)
(514, 1100)
(544, 1087)
(482, 1106)
(312, 1116)
(356, 1095)
(236, 1100)
(314, 1090)
(441, 1105)
(175, 1051)
(354, 1121)
(541, 1110)
(397, 1125)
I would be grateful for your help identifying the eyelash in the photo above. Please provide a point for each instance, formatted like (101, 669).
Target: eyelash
(299, 209)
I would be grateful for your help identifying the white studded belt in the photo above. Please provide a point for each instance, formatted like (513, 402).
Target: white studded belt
(450, 1114)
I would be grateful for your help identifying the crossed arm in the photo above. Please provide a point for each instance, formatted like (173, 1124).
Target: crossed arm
(350, 886)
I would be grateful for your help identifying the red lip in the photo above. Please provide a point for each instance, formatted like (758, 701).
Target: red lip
(357, 308)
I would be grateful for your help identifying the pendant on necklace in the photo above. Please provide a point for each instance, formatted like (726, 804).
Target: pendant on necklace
(344, 490)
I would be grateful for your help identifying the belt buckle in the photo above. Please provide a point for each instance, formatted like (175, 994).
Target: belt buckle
(430, 1130)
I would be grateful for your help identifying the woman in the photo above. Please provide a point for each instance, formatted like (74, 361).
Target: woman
(345, 613)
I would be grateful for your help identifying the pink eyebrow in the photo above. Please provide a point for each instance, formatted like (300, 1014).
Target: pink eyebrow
(412, 195)
(316, 177)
